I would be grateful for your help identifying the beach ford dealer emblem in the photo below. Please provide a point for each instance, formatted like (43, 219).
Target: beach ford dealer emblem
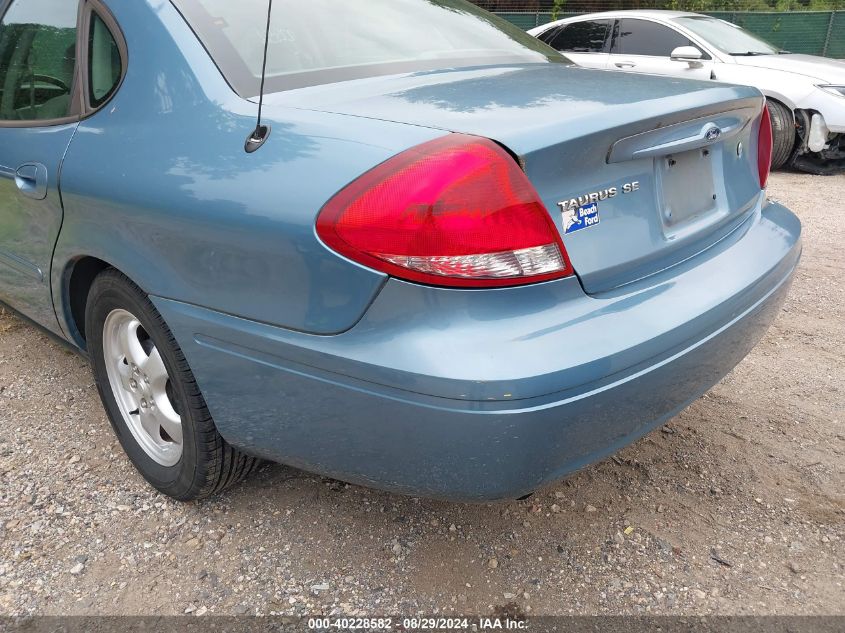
(583, 212)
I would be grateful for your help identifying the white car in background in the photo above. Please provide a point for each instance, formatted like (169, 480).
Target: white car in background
(806, 93)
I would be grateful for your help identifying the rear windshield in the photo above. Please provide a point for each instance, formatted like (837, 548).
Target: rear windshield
(324, 41)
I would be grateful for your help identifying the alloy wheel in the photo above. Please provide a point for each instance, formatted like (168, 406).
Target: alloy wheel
(142, 388)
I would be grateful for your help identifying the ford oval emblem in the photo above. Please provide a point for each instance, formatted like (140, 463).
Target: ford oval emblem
(713, 133)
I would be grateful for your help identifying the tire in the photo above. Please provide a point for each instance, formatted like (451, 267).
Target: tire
(783, 133)
(170, 438)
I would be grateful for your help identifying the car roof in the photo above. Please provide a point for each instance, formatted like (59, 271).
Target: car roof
(655, 13)
(644, 13)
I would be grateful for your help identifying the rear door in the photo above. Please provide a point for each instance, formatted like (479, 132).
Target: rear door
(586, 43)
(59, 62)
(39, 112)
(644, 46)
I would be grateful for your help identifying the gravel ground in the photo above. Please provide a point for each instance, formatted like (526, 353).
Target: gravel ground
(735, 507)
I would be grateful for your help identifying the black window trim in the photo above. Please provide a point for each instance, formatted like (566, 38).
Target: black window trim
(615, 34)
(80, 107)
(92, 7)
(608, 35)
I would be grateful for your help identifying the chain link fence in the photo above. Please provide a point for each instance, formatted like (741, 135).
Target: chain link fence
(699, 6)
(814, 27)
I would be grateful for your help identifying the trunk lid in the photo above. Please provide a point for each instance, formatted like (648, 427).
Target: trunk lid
(639, 172)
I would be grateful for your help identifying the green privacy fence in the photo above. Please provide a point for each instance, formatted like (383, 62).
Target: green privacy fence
(812, 32)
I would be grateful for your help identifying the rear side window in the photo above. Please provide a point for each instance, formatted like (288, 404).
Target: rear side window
(641, 37)
(37, 59)
(323, 41)
(582, 37)
(104, 63)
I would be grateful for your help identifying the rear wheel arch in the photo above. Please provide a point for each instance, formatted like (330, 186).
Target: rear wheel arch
(77, 280)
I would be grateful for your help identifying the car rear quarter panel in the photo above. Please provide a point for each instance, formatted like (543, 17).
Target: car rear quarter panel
(158, 185)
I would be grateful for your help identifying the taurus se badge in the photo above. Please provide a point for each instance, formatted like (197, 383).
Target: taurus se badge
(595, 197)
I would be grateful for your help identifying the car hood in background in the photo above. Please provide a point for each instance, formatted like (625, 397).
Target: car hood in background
(524, 107)
(828, 70)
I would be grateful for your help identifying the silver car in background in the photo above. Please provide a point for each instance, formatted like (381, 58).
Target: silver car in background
(806, 93)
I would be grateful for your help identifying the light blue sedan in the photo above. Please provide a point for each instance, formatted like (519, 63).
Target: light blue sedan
(449, 263)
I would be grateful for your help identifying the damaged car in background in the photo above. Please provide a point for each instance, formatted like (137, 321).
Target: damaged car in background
(805, 93)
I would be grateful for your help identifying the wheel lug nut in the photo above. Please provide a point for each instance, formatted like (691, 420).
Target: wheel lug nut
(133, 384)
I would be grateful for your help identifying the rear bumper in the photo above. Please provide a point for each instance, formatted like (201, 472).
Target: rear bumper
(488, 395)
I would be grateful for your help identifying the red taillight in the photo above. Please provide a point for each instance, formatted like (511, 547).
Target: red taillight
(764, 147)
(456, 211)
